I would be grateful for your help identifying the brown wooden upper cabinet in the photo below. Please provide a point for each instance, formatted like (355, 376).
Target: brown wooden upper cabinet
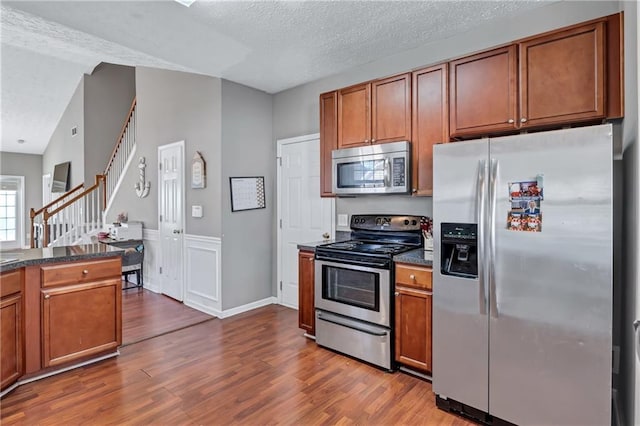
(375, 112)
(562, 76)
(483, 92)
(328, 139)
(430, 109)
(566, 76)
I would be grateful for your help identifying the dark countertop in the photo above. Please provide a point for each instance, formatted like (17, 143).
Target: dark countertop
(340, 236)
(14, 259)
(416, 257)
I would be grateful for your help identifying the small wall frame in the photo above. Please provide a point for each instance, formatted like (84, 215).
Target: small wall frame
(198, 171)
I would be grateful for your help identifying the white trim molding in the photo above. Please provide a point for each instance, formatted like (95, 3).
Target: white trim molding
(203, 275)
(248, 307)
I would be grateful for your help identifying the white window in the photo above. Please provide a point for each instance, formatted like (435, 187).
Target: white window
(11, 211)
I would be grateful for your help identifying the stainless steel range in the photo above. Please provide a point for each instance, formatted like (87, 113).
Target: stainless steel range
(354, 284)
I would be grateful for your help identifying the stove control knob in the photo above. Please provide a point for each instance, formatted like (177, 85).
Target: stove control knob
(406, 221)
(414, 222)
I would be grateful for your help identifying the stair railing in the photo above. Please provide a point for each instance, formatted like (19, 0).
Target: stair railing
(68, 222)
(118, 162)
(37, 215)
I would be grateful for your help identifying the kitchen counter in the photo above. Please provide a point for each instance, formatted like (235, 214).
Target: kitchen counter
(14, 259)
(415, 257)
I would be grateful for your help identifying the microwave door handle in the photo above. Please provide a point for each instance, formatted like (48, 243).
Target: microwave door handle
(387, 165)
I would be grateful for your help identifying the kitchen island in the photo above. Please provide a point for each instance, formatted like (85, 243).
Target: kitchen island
(61, 308)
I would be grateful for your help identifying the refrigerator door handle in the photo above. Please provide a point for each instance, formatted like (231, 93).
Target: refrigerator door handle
(493, 197)
(481, 219)
(636, 329)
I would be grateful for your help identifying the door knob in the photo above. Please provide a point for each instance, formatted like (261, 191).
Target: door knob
(177, 231)
(326, 236)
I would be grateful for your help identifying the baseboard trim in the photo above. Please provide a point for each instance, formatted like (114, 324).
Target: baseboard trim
(248, 307)
(202, 308)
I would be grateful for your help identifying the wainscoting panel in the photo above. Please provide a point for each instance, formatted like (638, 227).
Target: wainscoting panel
(202, 273)
(151, 264)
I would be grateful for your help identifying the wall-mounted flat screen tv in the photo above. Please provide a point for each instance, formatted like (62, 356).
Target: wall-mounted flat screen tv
(60, 181)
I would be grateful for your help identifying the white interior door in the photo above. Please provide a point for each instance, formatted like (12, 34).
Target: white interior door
(303, 215)
(171, 220)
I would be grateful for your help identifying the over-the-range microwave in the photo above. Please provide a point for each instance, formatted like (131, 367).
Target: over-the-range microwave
(372, 169)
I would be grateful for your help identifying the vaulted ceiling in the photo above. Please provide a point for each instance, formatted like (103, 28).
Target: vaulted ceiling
(46, 46)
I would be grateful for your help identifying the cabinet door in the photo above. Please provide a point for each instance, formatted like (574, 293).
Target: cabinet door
(328, 139)
(562, 77)
(391, 109)
(413, 328)
(430, 123)
(354, 116)
(483, 92)
(306, 308)
(80, 320)
(12, 340)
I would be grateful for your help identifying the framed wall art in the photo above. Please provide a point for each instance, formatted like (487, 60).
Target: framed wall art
(247, 193)
(198, 171)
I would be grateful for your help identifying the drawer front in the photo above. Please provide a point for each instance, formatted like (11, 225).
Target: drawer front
(80, 272)
(10, 282)
(413, 276)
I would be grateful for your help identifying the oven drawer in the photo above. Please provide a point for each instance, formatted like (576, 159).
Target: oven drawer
(361, 340)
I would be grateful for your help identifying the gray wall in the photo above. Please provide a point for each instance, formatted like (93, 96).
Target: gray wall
(62, 146)
(108, 93)
(174, 106)
(29, 166)
(247, 150)
(631, 202)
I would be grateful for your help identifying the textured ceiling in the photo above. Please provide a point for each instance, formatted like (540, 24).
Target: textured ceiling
(46, 46)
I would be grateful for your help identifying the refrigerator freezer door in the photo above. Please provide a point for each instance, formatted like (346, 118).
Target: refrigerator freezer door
(460, 320)
(550, 321)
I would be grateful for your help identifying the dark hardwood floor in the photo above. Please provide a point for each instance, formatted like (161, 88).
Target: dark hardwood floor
(250, 369)
(146, 314)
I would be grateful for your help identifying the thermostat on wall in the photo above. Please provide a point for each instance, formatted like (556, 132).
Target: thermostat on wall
(196, 211)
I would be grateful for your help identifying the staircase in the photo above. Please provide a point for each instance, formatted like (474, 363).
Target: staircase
(80, 213)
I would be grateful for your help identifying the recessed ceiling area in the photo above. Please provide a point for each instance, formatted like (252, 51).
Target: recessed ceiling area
(268, 45)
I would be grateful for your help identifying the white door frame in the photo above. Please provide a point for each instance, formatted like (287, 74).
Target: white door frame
(21, 223)
(279, 144)
(181, 144)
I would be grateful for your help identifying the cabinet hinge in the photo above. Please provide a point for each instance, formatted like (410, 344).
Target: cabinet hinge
(280, 285)
(161, 270)
(160, 218)
(280, 223)
(160, 166)
(279, 161)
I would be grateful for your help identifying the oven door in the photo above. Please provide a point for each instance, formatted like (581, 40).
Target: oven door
(360, 292)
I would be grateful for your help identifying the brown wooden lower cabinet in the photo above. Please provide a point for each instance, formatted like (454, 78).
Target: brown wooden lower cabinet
(306, 309)
(11, 328)
(80, 320)
(413, 326)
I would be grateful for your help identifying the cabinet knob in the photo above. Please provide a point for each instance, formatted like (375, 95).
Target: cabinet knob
(310, 259)
(85, 271)
(397, 294)
(523, 120)
(366, 141)
(510, 121)
(46, 296)
(414, 190)
(413, 277)
(373, 141)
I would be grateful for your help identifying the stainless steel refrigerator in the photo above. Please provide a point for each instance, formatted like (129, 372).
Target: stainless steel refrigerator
(522, 277)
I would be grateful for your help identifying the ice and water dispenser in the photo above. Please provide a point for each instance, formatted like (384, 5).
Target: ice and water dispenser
(459, 249)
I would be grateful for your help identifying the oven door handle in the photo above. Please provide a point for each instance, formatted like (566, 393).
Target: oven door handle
(353, 327)
(342, 262)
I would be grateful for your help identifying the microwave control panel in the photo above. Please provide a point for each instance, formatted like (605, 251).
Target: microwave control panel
(398, 172)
